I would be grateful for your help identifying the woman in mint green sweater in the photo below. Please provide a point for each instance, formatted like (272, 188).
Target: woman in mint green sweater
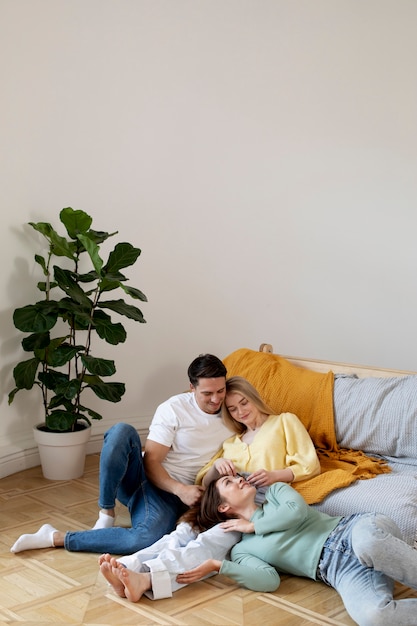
(360, 556)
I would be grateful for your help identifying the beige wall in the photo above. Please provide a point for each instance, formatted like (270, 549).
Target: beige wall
(261, 153)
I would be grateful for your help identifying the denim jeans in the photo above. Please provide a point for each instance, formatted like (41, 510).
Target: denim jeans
(361, 559)
(153, 512)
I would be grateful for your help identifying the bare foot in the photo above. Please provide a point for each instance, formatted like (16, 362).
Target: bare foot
(135, 583)
(107, 571)
(104, 557)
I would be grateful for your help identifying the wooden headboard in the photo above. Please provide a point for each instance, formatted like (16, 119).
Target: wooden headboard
(362, 371)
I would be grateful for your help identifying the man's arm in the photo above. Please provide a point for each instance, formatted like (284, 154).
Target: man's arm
(155, 454)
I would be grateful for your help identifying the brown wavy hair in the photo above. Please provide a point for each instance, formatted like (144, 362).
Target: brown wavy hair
(206, 514)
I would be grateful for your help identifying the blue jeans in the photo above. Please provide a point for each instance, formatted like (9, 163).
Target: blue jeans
(361, 559)
(153, 512)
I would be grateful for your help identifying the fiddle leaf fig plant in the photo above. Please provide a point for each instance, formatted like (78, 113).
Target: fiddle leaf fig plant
(75, 309)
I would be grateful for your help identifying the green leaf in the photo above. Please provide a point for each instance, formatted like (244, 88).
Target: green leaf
(107, 330)
(93, 414)
(52, 345)
(111, 333)
(25, 372)
(58, 245)
(39, 259)
(89, 277)
(36, 318)
(36, 341)
(77, 315)
(75, 221)
(69, 389)
(59, 400)
(61, 246)
(57, 352)
(112, 392)
(134, 293)
(62, 354)
(61, 385)
(99, 236)
(61, 420)
(108, 284)
(93, 252)
(42, 227)
(100, 367)
(42, 286)
(53, 379)
(123, 255)
(12, 394)
(67, 283)
(120, 306)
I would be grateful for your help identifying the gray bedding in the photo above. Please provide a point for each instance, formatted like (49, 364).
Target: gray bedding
(379, 416)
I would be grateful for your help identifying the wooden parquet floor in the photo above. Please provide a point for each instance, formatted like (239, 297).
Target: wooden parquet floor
(53, 586)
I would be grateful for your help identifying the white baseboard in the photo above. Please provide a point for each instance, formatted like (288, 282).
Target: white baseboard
(24, 454)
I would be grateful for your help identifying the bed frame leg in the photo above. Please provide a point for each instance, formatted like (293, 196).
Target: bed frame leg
(266, 347)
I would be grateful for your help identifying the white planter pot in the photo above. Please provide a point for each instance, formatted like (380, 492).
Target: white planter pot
(62, 454)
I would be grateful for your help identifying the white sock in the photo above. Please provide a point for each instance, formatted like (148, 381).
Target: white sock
(104, 521)
(44, 538)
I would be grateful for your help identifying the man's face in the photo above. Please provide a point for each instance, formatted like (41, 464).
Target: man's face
(210, 393)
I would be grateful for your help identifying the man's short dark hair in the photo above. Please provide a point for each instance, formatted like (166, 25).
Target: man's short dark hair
(206, 366)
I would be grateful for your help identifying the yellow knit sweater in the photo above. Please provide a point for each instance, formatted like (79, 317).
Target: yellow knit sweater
(281, 442)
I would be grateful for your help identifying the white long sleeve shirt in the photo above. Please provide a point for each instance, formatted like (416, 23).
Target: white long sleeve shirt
(178, 552)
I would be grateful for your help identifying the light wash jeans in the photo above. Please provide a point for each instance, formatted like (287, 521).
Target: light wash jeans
(361, 559)
(153, 512)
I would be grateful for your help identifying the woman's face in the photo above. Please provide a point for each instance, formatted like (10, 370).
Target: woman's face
(235, 490)
(242, 410)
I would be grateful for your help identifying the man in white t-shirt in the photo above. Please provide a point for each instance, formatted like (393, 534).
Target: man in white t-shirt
(157, 487)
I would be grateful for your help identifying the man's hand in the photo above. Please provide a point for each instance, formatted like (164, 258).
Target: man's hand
(189, 494)
(155, 454)
(199, 572)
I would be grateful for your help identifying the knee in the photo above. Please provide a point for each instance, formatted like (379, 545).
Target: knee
(121, 431)
(369, 532)
(378, 615)
(375, 525)
(122, 435)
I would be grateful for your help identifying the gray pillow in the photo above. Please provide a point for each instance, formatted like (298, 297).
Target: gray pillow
(377, 415)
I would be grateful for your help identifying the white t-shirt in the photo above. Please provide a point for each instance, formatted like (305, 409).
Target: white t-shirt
(193, 435)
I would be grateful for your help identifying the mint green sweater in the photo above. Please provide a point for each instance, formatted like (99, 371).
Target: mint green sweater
(289, 537)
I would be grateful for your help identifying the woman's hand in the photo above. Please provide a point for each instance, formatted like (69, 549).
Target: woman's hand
(239, 524)
(224, 467)
(199, 572)
(263, 478)
(220, 467)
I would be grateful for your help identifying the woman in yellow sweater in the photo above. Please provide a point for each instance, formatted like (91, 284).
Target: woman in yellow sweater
(267, 448)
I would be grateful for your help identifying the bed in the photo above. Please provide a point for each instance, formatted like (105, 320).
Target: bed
(363, 421)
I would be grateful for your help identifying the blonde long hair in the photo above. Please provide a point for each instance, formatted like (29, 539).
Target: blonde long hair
(238, 384)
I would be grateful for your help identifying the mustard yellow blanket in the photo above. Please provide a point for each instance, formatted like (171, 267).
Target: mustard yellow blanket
(288, 388)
